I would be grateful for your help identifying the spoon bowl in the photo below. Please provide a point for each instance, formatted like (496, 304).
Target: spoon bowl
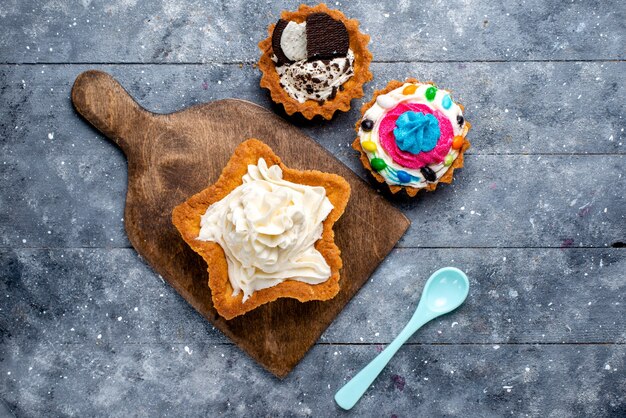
(446, 290)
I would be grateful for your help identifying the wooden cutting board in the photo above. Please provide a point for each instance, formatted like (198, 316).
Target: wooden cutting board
(171, 157)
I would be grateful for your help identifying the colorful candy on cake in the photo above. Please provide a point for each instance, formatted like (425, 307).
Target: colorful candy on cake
(315, 61)
(265, 231)
(412, 136)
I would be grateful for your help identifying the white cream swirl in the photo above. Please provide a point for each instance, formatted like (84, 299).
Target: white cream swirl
(267, 228)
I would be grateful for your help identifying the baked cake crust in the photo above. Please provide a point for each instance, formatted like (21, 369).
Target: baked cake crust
(186, 218)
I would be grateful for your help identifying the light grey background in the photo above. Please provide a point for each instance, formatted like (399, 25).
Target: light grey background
(536, 218)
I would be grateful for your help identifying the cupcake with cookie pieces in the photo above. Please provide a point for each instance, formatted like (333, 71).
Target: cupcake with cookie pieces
(412, 136)
(315, 61)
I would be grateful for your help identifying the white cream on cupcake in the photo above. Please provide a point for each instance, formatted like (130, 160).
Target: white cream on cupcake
(267, 228)
(316, 80)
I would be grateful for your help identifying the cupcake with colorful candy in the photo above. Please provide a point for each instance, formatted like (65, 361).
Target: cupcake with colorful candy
(412, 136)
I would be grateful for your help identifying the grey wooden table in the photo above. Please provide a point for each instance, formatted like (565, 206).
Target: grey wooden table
(536, 218)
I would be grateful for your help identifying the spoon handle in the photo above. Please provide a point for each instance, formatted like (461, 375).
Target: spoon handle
(351, 392)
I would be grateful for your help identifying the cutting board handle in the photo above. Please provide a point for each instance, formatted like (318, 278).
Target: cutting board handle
(107, 106)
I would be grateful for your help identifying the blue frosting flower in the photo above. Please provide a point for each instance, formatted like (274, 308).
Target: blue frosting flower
(416, 132)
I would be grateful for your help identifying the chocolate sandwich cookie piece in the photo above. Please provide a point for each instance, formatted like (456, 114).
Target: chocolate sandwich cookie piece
(276, 36)
(326, 37)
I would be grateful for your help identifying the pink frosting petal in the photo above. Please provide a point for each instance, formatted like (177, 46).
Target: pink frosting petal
(406, 159)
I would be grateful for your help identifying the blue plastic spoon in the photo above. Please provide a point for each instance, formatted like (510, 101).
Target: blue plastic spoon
(445, 290)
